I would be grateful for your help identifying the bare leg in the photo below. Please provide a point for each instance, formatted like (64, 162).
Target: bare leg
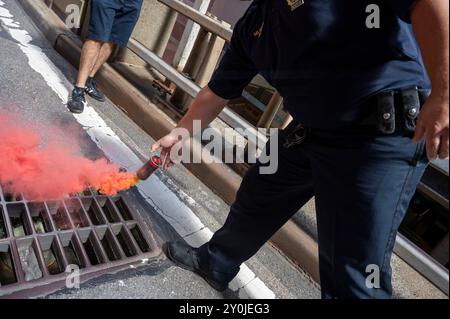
(105, 52)
(89, 55)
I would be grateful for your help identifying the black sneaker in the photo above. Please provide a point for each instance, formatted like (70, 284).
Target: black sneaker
(77, 102)
(93, 91)
(185, 256)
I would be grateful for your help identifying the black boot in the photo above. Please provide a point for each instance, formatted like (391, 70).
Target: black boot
(77, 102)
(186, 257)
(93, 91)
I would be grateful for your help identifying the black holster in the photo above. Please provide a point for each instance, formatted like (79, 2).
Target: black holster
(399, 110)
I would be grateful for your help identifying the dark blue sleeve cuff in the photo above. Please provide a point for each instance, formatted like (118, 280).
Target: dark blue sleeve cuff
(232, 76)
(223, 91)
(403, 8)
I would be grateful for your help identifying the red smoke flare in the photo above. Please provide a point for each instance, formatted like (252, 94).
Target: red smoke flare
(51, 169)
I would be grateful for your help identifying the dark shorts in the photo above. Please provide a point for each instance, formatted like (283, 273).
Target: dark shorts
(113, 20)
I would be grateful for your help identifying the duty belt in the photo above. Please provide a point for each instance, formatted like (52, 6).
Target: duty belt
(387, 113)
(396, 111)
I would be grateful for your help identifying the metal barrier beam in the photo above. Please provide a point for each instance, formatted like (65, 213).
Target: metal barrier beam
(204, 21)
(271, 111)
(217, 28)
(164, 68)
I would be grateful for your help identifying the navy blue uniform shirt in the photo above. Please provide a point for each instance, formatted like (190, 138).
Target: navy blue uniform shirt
(322, 57)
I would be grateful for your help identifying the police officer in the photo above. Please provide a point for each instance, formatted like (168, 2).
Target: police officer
(353, 78)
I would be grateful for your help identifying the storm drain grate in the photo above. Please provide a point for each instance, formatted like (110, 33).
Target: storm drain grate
(40, 240)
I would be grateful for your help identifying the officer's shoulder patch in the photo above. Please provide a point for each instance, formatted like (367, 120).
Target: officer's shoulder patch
(258, 33)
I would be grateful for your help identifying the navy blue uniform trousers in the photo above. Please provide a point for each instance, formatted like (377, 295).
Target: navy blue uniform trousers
(362, 183)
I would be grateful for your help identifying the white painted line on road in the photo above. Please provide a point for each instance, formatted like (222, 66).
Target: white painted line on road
(246, 276)
(5, 13)
(256, 289)
(10, 23)
(159, 196)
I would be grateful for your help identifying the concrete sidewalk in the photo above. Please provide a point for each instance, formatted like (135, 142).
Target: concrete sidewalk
(24, 89)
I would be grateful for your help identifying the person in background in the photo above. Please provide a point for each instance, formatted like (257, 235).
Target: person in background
(112, 23)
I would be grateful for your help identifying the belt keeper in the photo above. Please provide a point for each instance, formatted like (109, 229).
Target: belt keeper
(386, 113)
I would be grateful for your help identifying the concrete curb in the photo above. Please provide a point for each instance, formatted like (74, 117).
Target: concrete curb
(291, 240)
(47, 21)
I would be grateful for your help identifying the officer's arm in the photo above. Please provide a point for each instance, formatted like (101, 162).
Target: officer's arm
(430, 19)
(206, 107)
(235, 71)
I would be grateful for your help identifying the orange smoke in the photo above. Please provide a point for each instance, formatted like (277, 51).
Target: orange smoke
(33, 161)
(115, 182)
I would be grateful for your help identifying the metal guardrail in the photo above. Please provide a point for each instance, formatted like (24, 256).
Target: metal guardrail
(164, 68)
(215, 27)
(422, 262)
(185, 84)
(204, 21)
(193, 89)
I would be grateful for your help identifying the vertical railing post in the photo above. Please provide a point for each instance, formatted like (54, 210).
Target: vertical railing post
(190, 34)
(273, 107)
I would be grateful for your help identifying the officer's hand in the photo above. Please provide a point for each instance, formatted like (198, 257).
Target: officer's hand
(433, 126)
(165, 144)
